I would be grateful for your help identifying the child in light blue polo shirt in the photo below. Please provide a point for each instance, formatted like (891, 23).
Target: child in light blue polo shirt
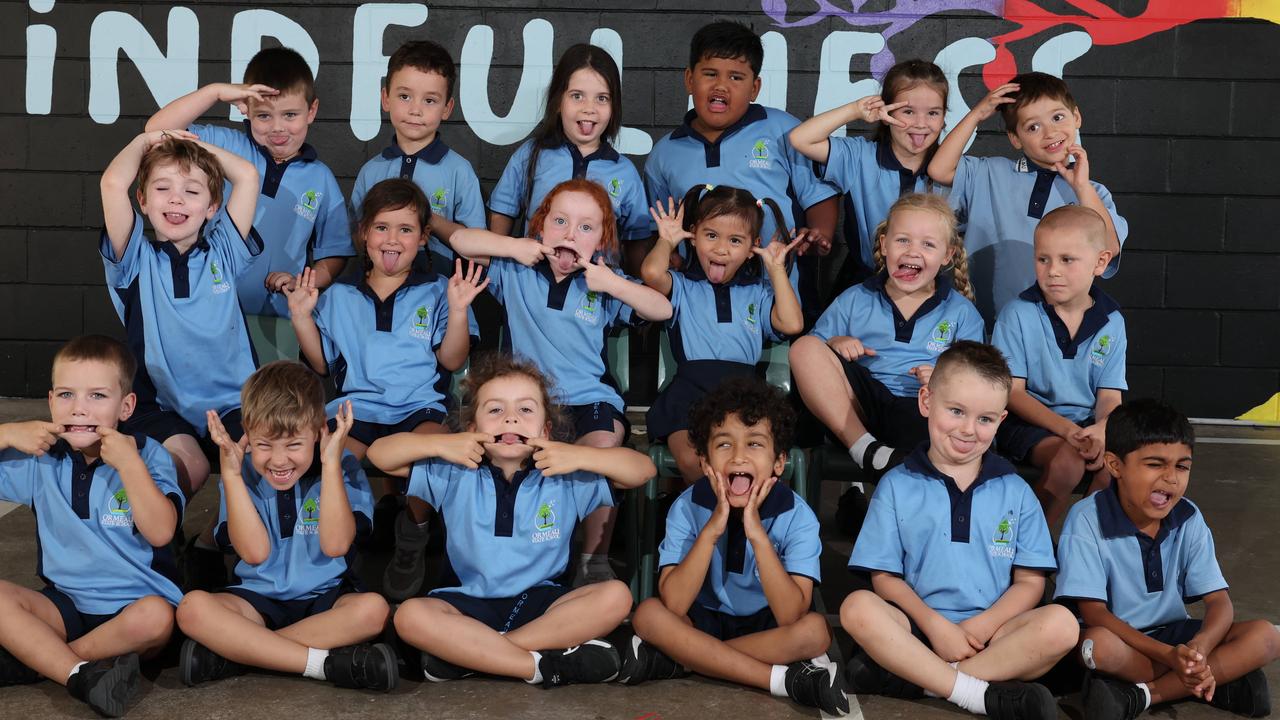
(418, 97)
(106, 507)
(1131, 558)
(958, 550)
(739, 562)
(291, 509)
(511, 496)
(1065, 342)
(1000, 200)
(301, 214)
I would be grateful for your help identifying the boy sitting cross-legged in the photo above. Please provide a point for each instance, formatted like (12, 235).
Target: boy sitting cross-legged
(958, 549)
(740, 560)
(291, 510)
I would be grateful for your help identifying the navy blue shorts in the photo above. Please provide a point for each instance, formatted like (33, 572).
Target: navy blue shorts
(159, 425)
(506, 614)
(1177, 632)
(76, 623)
(894, 420)
(724, 626)
(694, 379)
(1016, 438)
(596, 416)
(367, 432)
(279, 614)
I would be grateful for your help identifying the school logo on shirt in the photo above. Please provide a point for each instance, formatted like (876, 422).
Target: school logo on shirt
(309, 522)
(1002, 540)
(220, 285)
(750, 321)
(589, 309)
(308, 204)
(419, 327)
(760, 155)
(119, 512)
(438, 199)
(544, 521)
(615, 187)
(941, 337)
(1102, 348)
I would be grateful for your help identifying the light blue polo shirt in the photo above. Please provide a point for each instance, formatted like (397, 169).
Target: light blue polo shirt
(1063, 372)
(446, 178)
(506, 537)
(296, 568)
(606, 167)
(382, 353)
(733, 584)
(865, 311)
(729, 321)
(86, 543)
(957, 550)
(1145, 581)
(1000, 202)
(182, 317)
(301, 212)
(872, 179)
(561, 326)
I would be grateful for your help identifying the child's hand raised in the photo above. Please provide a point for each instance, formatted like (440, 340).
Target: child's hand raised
(719, 520)
(230, 452)
(240, 94)
(33, 437)
(599, 276)
(670, 222)
(279, 281)
(811, 239)
(331, 443)
(774, 256)
(872, 108)
(1077, 174)
(555, 458)
(529, 252)
(922, 373)
(155, 137)
(849, 348)
(303, 295)
(465, 287)
(988, 105)
(117, 449)
(752, 528)
(464, 448)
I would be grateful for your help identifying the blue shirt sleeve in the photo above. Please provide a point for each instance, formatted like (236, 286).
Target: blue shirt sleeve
(164, 473)
(1081, 571)
(508, 195)
(440, 321)
(802, 548)
(634, 207)
(971, 326)
(17, 479)
(1007, 338)
(1033, 548)
(333, 225)
(430, 479)
(325, 316)
(499, 268)
(364, 181)
(808, 188)
(121, 271)
(468, 203)
(1200, 573)
(879, 546)
(970, 172)
(679, 295)
(590, 492)
(1113, 368)
(682, 531)
(359, 493)
(836, 321)
(844, 157)
(766, 314)
(1122, 225)
(233, 140)
(656, 181)
(234, 250)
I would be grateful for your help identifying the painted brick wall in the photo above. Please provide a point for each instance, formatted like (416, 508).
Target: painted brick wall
(1180, 124)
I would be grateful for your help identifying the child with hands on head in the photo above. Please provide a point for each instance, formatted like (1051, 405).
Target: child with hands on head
(739, 563)
(293, 502)
(510, 496)
(958, 549)
(723, 306)
(909, 114)
(1132, 557)
(878, 340)
(1065, 341)
(561, 300)
(392, 335)
(107, 506)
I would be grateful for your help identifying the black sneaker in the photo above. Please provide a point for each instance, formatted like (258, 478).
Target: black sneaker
(367, 666)
(403, 577)
(1023, 701)
(817, 686)
(438, 669)
(594, 661)
(1107, 699)
(197, 664)
(1247, 695)
(107, 686)
(864, 676)
(13, 672)
(642, 662)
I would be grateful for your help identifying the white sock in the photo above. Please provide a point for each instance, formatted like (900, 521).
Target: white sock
(778, 681)
(930, 693)
(537, 668)
(969, 693)
(76, 669)
(315, 664)
(1146, 694)
(860, 446)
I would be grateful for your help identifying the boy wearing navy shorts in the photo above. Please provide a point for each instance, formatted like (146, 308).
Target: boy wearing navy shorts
(291, 508)
(739, 563)
(1065, 341)
(107, 505)
(1132, 556)
(958, 550)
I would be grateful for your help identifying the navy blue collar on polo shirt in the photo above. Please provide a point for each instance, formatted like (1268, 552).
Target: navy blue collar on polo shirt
(558, 289)
(384, 310)
(432, 154)
(1095, 318)
(1044, 182)
(82, 473)
(780, 500)
(993, 466)
(904, 328)
(889, 161)
(275, 170)
(504, 509)
(754, 113)
(287, 500)
(178, 263)
(724, 297)
(604, 152)
(1113, 523)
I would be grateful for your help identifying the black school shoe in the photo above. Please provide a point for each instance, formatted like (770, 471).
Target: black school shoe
(13, 672)
(817, 686)
(107, 686)
(1108, 699)
(1021, 701)
(642, 662)
(197, 664)
(437, 669)
(594, 661)
(865, 677)
(1247, 695)
(367, 666)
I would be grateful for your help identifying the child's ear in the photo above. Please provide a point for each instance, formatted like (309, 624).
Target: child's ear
(779, 465)
(127, 405)
(922, 401)
(386, 100)
(1104, 259)
(688, 81)
(1013, 139)
(755, 88)
(1113, 464)
(1079, 117)
(448, 110)
(311, 111)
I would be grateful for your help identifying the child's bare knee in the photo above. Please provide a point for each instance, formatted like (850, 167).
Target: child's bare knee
(413, 614)
(649, 613)
(1061, 630)
(193, 609)
(1101, 649)
(814, 635)
(372, 612)
(855, 609)
(149, 620)
(614, 598)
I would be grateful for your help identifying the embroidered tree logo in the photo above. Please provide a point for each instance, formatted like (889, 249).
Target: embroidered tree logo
(592, 297)
(751, 313)
(438, 197)
(422, 316)
(944, 329)
(615, 187)
(215, 272)
(120, 499)
(760, 150)
(546, 517)
(1104, 345)
(309, 509)
(309, 199)
(1003, 528)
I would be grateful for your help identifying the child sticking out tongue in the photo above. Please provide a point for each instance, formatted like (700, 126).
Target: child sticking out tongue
(566, 259)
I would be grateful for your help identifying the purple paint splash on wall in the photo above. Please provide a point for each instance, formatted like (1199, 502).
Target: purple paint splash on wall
(887, 23)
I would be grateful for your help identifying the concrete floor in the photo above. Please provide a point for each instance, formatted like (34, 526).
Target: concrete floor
(1232, 481)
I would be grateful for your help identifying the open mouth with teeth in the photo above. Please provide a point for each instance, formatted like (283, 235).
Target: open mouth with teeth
(279, 476)
(72, 429)
(587, 128)
(1056, 147)
(511, 439)
(176, 218)
(1160, 499)
(907, 272)
(717, 102)
(739, 482)
(566, 258)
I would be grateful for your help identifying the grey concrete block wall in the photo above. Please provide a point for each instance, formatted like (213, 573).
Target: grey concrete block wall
(1180, 124)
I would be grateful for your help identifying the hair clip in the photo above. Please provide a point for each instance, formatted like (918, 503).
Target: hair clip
(760, 203)
(709, 187)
